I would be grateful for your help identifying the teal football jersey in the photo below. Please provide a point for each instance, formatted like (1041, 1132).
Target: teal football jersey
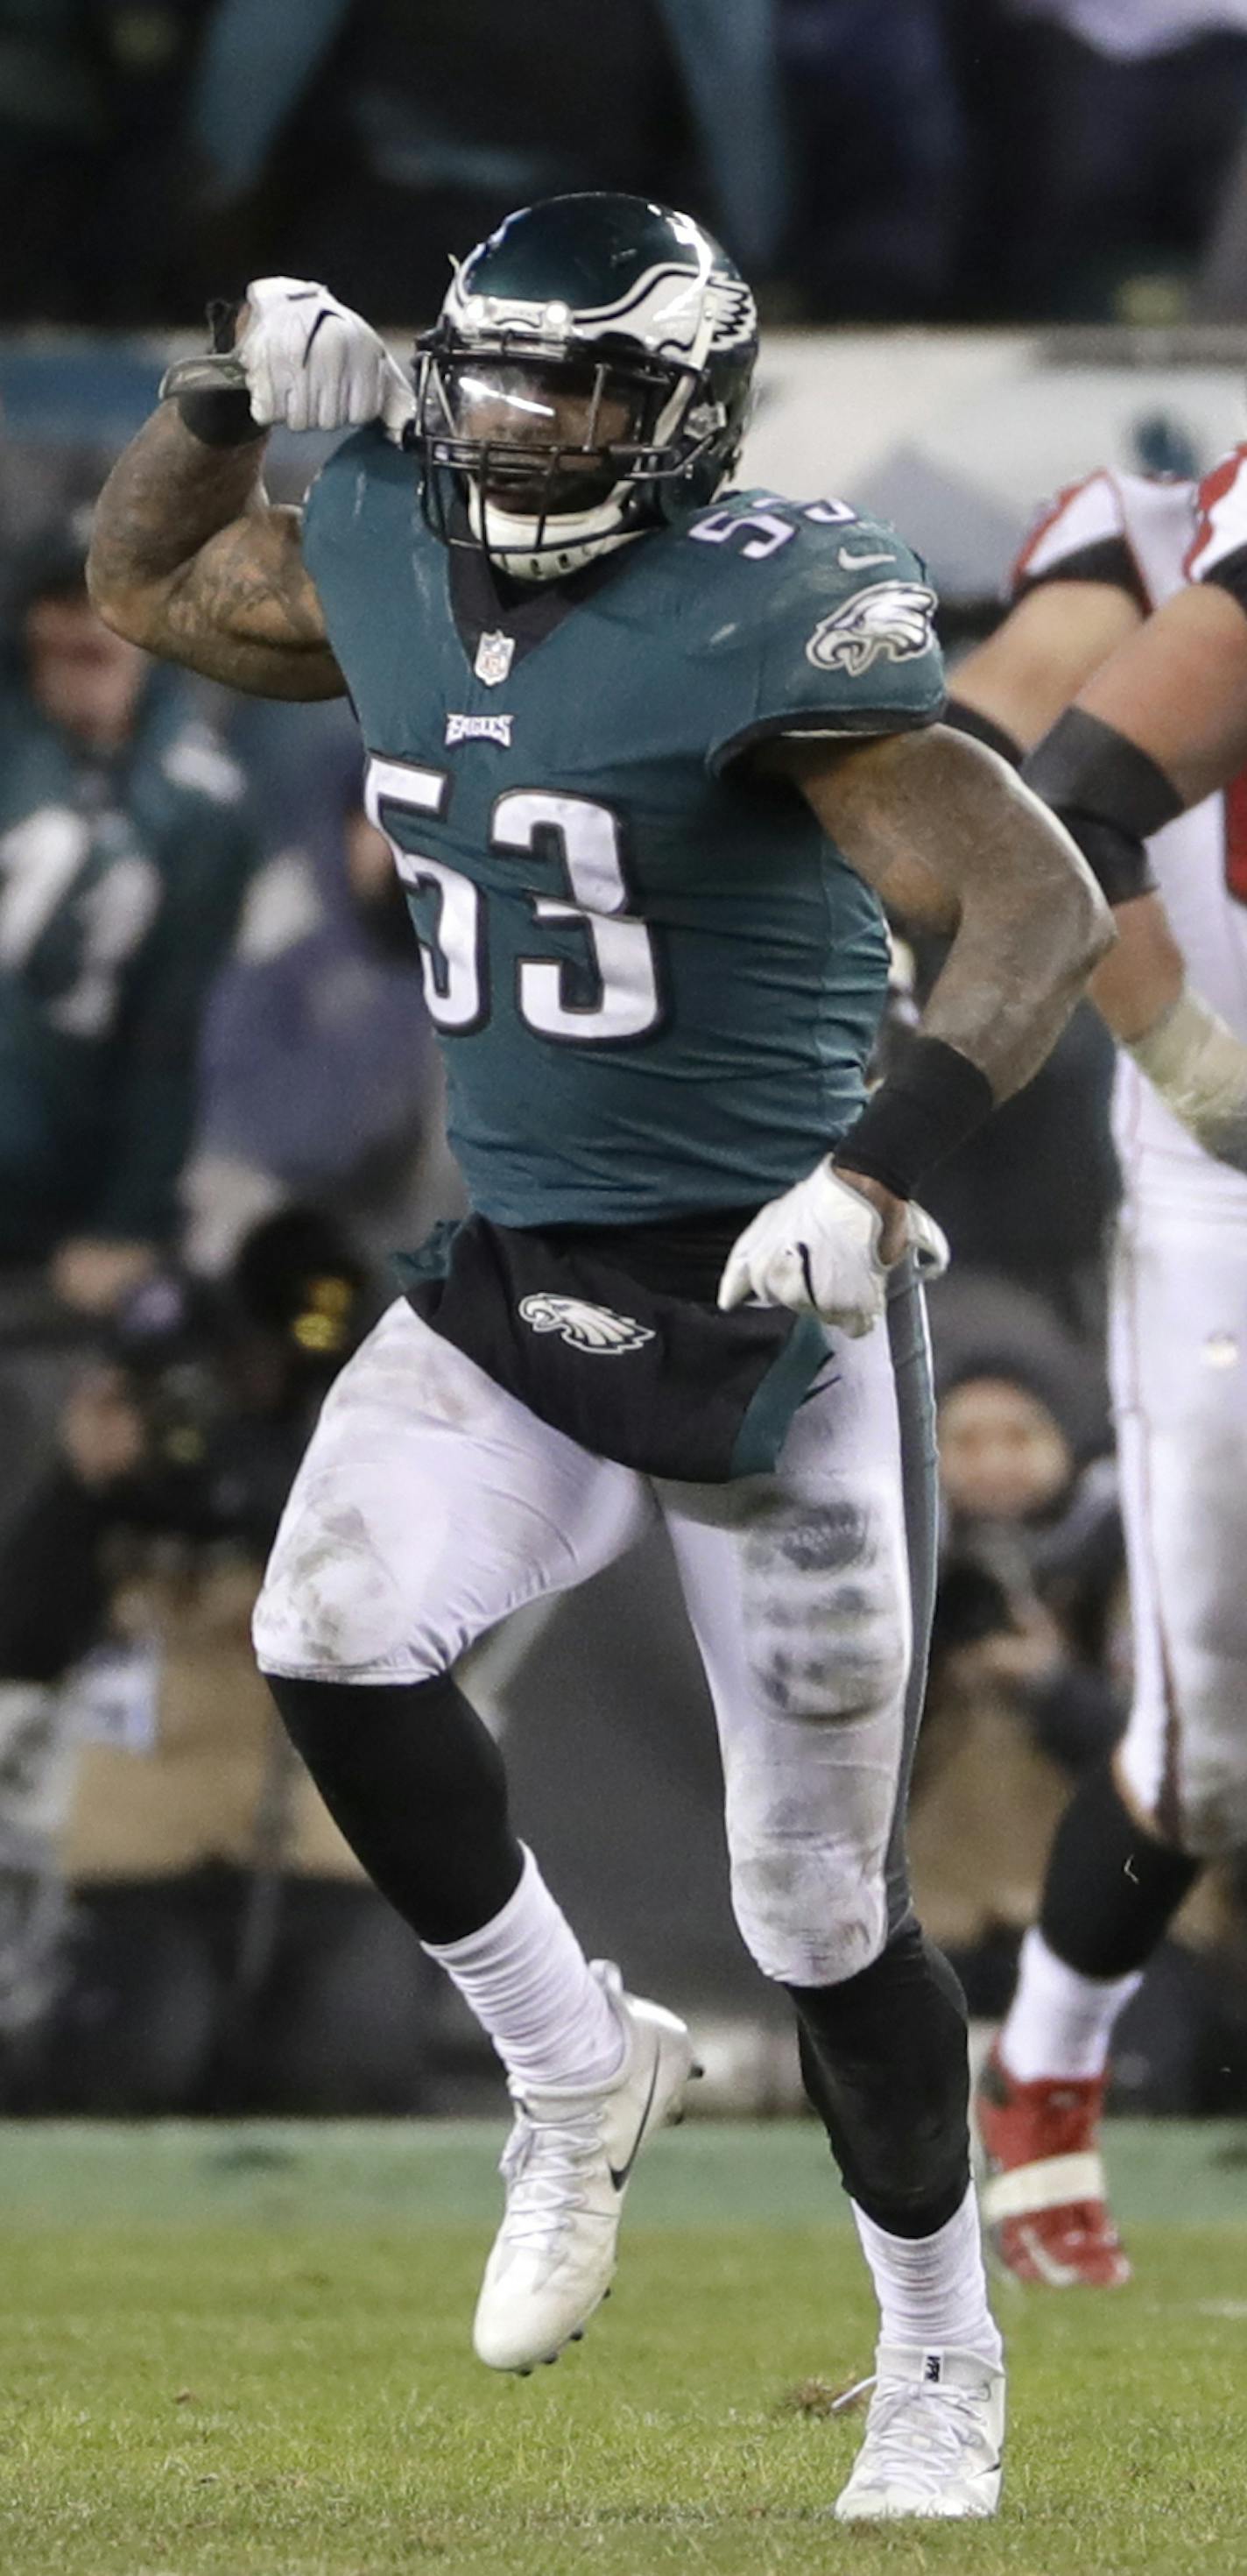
(655, 980)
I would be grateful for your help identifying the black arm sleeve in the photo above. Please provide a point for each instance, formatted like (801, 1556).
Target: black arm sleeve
(1109, 795)
(53, 1593)
(983, 729)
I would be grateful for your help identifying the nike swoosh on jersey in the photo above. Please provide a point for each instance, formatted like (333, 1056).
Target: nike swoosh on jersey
(619, 2173)
(849, 562)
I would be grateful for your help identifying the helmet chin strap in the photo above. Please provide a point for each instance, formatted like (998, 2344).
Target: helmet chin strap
(548, 549)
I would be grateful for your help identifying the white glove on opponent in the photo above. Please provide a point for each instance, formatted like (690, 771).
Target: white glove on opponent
(310, 363)
(816, 1250)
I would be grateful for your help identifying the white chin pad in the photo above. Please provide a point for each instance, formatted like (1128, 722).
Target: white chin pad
(546, 550)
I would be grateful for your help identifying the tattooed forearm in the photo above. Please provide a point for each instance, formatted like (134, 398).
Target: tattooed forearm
(1030, 922)
(189, 559)
(167, 493)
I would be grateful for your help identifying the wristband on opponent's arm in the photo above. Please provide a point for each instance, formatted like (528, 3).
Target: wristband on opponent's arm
(922, 1112)
(1110, 796)
(211, 392)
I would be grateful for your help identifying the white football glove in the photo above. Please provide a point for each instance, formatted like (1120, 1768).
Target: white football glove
(310, 363)
(816, 1250)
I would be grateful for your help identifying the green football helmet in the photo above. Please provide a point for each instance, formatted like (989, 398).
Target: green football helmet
(588, 378)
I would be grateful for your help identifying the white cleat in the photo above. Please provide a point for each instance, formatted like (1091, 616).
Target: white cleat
(566, 2166)
(934, 2439)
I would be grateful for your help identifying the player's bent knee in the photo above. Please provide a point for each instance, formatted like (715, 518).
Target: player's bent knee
(1199, 1802)
(331, 1605)
(802, 1928)
(1212, 1806)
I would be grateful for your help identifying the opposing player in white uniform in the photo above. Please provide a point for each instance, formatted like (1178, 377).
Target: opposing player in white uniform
(1132, 602)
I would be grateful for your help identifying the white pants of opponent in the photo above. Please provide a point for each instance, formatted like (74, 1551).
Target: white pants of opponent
(1179, 1367)
(431, 1503)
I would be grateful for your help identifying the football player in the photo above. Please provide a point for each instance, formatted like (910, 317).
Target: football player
(1132, 604)
(647, 757)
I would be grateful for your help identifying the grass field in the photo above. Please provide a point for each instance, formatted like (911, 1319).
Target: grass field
(245, 2353)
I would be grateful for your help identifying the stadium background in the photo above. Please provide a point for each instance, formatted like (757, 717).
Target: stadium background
(955, 435)
(998, 244)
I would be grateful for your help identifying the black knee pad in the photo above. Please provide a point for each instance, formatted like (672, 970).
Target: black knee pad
(416, 1784)
(883, 2057)
(1111, 1890)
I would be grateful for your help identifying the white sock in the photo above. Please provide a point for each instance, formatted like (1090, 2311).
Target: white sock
(932, 2290)
(527, 1980)
(1060, 2023)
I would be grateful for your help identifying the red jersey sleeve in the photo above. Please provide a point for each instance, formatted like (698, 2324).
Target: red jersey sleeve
(1219, 547)
(1080, 536)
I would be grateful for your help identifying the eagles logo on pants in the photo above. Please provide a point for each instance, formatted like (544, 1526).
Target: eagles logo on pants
(431, 1503)
(586, 1327)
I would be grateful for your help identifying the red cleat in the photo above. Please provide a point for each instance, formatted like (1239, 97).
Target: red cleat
(1044, 2207)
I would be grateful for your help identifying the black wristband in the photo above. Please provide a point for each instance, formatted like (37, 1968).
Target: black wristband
(933, 1101)
(220, 417)
(214, 408)
(216, 412)
(1110, 796)
(983, 729)
(1088, 767)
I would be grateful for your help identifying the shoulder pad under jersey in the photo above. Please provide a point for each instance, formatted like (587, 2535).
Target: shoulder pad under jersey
(1081, 535)
(1219, 547)
(815, 621)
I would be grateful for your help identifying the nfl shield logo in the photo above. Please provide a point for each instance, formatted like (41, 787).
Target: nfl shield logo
(494, 656)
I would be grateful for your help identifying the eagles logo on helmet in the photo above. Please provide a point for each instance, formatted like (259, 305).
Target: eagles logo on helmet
(589, 377)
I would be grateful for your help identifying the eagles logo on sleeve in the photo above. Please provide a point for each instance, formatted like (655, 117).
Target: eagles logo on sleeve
(892, 620)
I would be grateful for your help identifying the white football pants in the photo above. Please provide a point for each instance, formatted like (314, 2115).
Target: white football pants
(1178, 1350)
(431, 1503)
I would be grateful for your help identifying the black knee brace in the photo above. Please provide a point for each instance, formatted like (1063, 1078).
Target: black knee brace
(1111, 1889)
(416, 1784)
(883, 2057)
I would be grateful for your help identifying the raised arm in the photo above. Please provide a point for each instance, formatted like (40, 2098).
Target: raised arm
(189, 559)
(188, 556)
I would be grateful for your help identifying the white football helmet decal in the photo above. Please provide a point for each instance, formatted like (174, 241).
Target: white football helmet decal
(890, 618)
(587, 1328)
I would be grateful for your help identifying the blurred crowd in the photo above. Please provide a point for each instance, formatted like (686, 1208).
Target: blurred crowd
(217, 1106)
(954, 159)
